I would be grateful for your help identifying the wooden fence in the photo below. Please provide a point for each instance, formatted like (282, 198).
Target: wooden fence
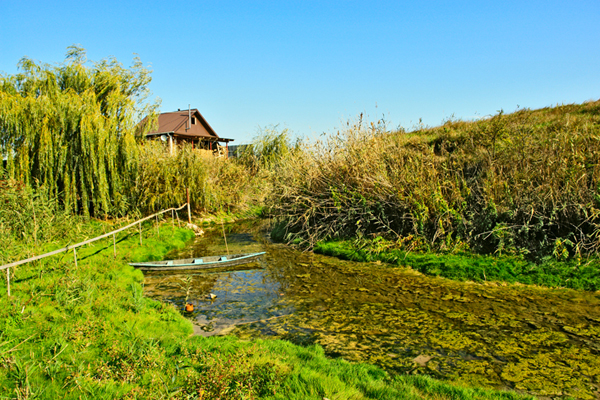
(74, 246)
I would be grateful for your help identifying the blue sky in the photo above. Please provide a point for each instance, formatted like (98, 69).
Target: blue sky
(310, 66)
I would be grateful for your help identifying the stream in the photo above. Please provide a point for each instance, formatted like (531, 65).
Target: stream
(541, 341)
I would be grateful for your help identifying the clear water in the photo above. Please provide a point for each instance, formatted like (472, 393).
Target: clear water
(541, 341)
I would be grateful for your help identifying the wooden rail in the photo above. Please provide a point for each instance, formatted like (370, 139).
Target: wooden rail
(74, 246)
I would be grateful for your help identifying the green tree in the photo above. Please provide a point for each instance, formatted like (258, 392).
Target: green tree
(69, 130)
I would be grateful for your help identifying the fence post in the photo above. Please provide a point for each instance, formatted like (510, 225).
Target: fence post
(140, 224)
(8, 280)
(114, 245)
(173, 218)
(75, 256)
(157, 227)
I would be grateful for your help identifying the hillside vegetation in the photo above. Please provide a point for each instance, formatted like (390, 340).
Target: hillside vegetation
(524, 184)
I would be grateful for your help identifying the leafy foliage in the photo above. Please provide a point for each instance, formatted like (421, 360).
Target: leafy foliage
(68, 131)
(31, 222)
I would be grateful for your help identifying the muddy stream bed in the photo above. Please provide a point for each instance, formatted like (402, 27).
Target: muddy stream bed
(541, 341)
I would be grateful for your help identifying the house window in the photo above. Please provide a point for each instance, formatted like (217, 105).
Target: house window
(193, 120)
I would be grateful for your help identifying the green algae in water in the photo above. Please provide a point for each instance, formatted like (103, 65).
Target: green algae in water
(541, 341)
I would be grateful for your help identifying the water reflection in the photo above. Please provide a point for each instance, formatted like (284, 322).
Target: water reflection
(545, 342)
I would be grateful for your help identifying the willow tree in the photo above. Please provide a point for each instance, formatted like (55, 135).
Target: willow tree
(69, 130)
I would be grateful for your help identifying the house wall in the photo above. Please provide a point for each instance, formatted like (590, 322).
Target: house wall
(195, 129)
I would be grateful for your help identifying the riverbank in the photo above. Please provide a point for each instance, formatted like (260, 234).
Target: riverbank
(87, 331)
(524, 184)
(464, 266)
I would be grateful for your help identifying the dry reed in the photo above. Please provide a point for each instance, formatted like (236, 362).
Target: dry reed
(520, 183)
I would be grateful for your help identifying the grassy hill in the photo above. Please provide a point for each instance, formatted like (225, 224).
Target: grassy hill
(522, 184)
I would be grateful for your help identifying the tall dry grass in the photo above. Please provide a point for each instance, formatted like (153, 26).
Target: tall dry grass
(215, 184)
(526, 182)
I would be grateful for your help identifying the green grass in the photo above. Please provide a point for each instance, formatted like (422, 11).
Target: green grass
(70, 330)
(313, 376)
(583, 275)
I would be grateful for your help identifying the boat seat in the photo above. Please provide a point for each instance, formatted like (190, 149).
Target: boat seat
(198, 261)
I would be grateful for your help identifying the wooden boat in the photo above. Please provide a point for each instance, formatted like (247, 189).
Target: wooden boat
(198, 263)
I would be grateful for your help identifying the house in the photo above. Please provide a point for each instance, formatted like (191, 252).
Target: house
(189, 126)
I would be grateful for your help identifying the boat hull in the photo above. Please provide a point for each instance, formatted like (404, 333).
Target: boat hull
(198, 263)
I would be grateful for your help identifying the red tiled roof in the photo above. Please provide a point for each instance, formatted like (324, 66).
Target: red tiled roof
(179, 123)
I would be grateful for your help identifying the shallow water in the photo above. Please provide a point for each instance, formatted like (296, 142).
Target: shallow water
(542, 341)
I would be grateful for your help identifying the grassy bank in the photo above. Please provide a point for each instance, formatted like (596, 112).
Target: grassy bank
(574, 274)
(511, 197)
(523, 184)
(87, 331)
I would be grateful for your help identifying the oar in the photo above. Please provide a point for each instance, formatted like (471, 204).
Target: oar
(225, 237)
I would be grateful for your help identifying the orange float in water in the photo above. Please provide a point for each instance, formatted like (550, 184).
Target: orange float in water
(189, 307)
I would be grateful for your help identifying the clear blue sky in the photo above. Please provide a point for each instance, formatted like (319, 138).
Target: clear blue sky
(311, 65)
